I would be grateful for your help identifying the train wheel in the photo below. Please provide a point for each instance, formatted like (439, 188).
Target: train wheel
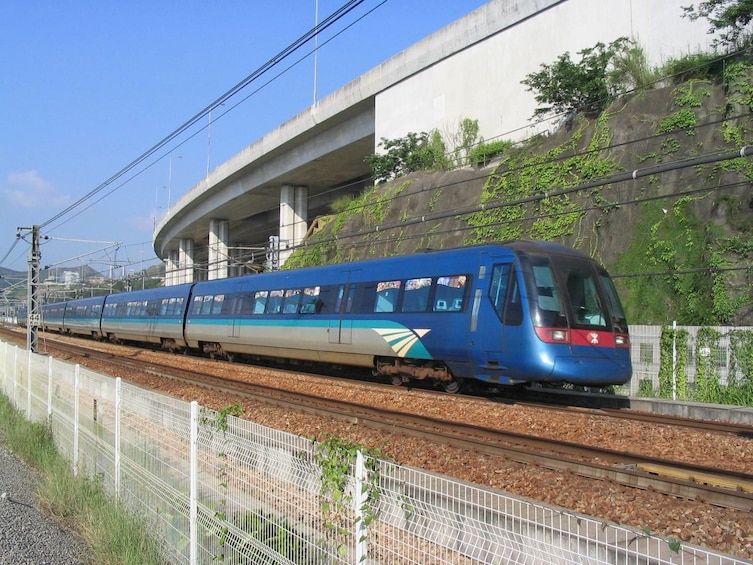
(452, 386)
(396, 380)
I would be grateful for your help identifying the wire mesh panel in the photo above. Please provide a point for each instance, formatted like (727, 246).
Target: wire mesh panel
(39, 384)
(214, 487)
(62, 403)
(260, 495)
(154, 472)
(96, 426)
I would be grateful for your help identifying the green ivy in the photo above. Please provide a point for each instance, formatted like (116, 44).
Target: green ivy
(217, 421)
(676, 380)
(741, 360)
(336, 457)
(707, 383)
(523, 175)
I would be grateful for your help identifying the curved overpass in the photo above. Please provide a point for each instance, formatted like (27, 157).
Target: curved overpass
(469, 69)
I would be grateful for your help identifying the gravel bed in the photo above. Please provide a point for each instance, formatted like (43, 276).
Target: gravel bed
(27, 534)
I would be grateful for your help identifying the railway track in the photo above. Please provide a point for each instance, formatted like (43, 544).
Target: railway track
(719, 487)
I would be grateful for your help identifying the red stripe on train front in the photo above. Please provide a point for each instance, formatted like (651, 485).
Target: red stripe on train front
(591, 338)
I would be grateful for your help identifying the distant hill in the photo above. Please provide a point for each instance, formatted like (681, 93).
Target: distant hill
(677, 237)
(10, 277)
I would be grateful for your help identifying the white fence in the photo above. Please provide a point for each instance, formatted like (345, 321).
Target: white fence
(223, 489)
(645, 352)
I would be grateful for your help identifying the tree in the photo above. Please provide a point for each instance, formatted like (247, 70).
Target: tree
(586, 86)
(730, 17)
(414, 152)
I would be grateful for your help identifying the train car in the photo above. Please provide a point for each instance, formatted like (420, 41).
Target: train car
(512, 313)
(153, 315)
(82, 316)
(53, 317)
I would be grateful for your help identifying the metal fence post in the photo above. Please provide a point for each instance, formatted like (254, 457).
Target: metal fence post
(49, 389)
(76, 385)
(674, 360)
(13, 398)
(28, 386)
(194, 485)
(118, 404)
(359, 499)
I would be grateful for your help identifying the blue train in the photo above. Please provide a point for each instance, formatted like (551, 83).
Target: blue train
(510, 313)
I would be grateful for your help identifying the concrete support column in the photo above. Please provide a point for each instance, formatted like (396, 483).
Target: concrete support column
(218, 249)
(301, 214)
(185, 267)
(171, 269)
(293, 216)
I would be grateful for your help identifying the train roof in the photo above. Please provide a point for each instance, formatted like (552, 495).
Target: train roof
(395, 265)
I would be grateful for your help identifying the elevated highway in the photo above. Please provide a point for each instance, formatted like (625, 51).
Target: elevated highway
(469, 69)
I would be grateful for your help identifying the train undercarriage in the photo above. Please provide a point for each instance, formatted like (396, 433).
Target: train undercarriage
(401, 371)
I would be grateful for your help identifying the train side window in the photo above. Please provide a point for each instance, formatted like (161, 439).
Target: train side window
(260, 301)
(416, 298)
(514, 306)
(217, 304)
(387, 294)
(504, 294)
(450, 292)
(291, 301)
(274, 302)
(206, 305)
(311, 303)
(198, 302)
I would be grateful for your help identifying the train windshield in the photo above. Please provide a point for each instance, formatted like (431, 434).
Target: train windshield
(568, 289)
(573, 289)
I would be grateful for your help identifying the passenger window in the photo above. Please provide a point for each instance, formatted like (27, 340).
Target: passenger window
(217, 303)
(206, 305)
(311, 302)
(260, 301)
(450, 293)
(292, 299)
(387, 294)
(274, 301)
(416, 297)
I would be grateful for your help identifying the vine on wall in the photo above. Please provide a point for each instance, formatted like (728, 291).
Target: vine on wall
(523, 174)
(336, 458)
(673, 378)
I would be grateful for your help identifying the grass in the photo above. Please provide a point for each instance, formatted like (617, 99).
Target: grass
(113, 534)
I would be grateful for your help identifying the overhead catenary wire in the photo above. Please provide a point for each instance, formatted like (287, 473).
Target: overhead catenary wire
(279, 57)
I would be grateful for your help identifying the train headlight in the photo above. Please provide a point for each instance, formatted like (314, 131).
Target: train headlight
(553, 335)
(559, 335)
(621, 340)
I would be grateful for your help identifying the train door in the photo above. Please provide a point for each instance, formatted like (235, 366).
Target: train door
(511, 345)
(341, 327)
(234, 327)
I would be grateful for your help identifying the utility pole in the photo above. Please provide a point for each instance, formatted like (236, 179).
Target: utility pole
(34, 311)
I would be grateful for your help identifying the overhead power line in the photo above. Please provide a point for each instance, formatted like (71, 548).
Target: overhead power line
(277, 59)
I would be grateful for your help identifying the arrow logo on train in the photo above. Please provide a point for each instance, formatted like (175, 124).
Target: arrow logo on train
(401, 339)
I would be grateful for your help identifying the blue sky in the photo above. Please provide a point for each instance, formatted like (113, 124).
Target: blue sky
(89, 86)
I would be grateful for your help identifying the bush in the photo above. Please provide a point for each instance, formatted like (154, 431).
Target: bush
(485, 152)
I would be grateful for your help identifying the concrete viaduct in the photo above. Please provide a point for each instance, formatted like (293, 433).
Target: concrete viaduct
(469, 69)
